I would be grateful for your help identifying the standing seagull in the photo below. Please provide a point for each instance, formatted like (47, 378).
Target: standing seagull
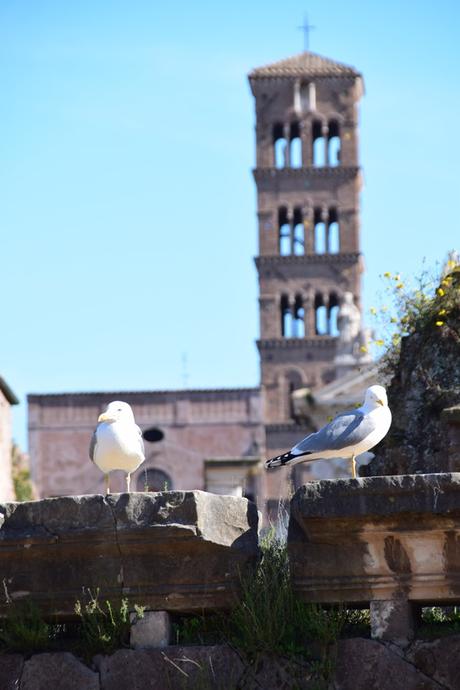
(117, 442)
(348, 435)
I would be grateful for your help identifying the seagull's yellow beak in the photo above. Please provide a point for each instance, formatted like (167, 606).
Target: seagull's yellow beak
(380, 402)
(105, 417)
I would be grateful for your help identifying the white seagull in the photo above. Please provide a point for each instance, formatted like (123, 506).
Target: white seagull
(346, 436)
(117, 442)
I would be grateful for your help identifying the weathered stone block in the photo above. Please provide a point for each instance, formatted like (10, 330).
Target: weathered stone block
(59, 671)
(393, 620)
(186, 668)
(369, 665)
(151, 631)
(377, 538)
(173, 551)
(11, 666)
(439, 659)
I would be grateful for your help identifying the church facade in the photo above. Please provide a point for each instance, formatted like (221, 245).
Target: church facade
(309, 267)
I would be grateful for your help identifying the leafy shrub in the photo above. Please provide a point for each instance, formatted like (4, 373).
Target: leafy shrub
(104, 627)
(24, 630)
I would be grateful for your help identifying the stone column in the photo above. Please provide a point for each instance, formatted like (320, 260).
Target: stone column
(290, 220)
(296, 101)
(309, 316)
(309, 229)
(287, 150)
(393, 620)
(325, 134)
(307, 144)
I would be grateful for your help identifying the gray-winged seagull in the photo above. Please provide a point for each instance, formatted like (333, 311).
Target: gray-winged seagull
(346, 436)
(117, 442)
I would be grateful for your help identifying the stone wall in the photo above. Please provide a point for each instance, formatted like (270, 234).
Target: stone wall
(359, 664)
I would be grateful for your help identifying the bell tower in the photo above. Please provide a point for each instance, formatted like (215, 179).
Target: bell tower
(308, 183)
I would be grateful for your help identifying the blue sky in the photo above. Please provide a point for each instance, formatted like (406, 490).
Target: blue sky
(127, 207)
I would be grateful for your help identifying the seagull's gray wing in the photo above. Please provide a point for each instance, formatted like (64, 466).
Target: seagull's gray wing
(347, 429)
(92, 445)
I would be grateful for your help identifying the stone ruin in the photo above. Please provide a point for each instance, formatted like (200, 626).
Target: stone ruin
(388, 543)
(424, 396)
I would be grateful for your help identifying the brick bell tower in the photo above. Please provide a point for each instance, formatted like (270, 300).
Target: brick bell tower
(308, 183)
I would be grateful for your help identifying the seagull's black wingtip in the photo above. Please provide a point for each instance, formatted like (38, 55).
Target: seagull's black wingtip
(279, 461)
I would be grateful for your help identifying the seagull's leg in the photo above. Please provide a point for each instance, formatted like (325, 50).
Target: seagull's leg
(128, 481)
(107, 487)
(353, 467)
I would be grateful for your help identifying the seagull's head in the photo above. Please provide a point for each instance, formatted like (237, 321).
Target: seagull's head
(117, 411)
(376, 396)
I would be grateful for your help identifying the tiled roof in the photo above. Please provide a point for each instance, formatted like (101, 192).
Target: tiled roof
(304, 65)
(7, 392)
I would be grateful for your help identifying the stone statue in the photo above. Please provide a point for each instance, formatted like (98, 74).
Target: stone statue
(353, 340)
(348, 320)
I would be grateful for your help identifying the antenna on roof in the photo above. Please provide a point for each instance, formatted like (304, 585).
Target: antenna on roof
(306, 28)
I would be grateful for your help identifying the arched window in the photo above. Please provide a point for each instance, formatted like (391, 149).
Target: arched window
(333, 232)
(299, 233)
(319, 232)
(296, 146)
(294, 382)
(279, 145)
(333, 143)
(286, 317)
(318, 143)
(299, 317)
(153, 479)
(284, 232)
(321, 320)
(333, 312)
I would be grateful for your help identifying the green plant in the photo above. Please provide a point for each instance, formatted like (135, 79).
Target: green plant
(429, 303)
(270, 618)
(439, 621)
(193, 630)
(22, 483)
(104, 627)
(24, 630)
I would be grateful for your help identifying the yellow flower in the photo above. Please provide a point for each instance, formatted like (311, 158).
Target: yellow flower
(397, 276)
(379, 342)
(387, 274)
(446, 281)
(400, 286)
(439, 323)
(442, 312)
(441, 292)
(451, 264)
(373, 310)
(394, 319)
(363, 348)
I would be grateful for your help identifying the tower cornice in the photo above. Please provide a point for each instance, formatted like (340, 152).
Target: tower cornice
(343, 258)
(318, 342)
(326, 172)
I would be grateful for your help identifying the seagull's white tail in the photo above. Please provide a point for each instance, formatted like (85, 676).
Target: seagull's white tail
(280, 460)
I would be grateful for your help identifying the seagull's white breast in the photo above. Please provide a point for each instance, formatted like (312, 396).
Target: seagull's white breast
(382, 418)
(118, 447)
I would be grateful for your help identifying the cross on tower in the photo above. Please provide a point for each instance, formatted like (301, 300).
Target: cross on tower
(306, 28)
